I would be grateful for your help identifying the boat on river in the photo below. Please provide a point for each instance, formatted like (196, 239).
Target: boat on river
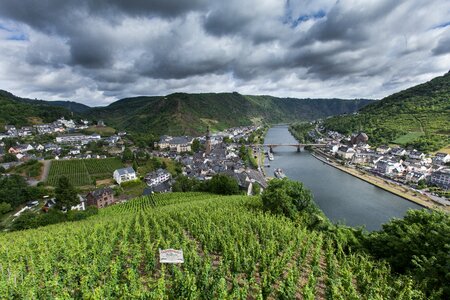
(279, 173)
(270, 156)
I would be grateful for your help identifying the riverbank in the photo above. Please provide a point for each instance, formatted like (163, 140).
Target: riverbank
(382, 183)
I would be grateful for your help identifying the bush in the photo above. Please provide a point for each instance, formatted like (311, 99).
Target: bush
(419, 245)
(131, 183)
(4, 208)
(222, 184)
(287, 197)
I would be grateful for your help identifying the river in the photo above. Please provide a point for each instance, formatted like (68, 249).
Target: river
(342, 197)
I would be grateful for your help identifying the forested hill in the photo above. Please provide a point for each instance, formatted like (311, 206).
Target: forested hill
(182, 113)
(179, 113)
(19, 112)
(418, 116)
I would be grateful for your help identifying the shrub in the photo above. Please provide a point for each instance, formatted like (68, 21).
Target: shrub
(286, 197)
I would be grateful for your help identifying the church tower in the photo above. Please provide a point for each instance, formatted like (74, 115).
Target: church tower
(208, 142)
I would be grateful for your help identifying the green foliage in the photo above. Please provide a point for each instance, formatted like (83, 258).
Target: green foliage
(20, 112)
(131, 183)
(300, 131)
(419, 245)
(31, 168)
(222, 184)
(29, 219)
(8, 157)
(65, 193)
(256, 189)
(286, 197)
(5, 208)
(185, 184)
(127, 155)
(14, 190)
(195, 145)
(418, 116)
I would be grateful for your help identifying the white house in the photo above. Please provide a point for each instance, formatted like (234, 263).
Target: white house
(74, 152)
(383, 149)
(346, 152)
(415, 176)
(157, 177)
(125, 174)
(389, 167)
(398, 151)
(441, 158)
(416, 155)
(78, 138)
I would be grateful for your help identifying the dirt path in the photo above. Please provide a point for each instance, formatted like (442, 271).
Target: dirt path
(44, 175)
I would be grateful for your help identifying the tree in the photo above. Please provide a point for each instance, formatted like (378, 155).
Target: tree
(4, 208)
(184, 184)
(287, 197)
(127, 155)
(8, 157)
(135, 166)
(419, 245)
(65, 194)
(223, 185)
(14, 190)
(195, 145)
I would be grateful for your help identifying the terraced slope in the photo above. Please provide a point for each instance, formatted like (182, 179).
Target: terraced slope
(232, 250)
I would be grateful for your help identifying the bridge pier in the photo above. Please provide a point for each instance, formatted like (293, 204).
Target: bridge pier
(298, 148)
(271, 149)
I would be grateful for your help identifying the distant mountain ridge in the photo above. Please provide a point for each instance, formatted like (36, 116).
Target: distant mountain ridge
(182, 113)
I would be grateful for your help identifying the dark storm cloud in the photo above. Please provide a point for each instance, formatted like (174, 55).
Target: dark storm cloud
(91, 51)
(54, 15)
(102, 49)
(443, 46)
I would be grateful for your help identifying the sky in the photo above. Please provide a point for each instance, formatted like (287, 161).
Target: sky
(98, 51)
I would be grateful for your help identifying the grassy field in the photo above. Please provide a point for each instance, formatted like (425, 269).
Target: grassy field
(407, 138)
(102, 130)
(232, 250)
(83, 172)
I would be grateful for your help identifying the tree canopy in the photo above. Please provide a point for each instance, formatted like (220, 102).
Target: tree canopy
(65, 193)
(418, 244)
(287, 197)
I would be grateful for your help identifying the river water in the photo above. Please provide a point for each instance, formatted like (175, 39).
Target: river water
(342, 197)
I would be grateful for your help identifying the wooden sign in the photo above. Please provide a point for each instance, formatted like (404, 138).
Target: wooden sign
(171, 256)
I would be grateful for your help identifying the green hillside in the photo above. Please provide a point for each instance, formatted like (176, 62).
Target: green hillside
(190, 114)
(232, 250)
(19, 112)
(418, 116)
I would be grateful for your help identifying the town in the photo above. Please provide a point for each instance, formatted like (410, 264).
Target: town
(423, 174)
(112, 168)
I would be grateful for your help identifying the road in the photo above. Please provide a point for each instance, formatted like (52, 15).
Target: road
(44, 175)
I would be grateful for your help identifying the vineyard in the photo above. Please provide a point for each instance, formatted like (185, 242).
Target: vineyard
(232, 250)
(83, 172)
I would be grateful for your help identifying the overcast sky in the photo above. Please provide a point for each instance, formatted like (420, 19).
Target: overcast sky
(98, 51)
